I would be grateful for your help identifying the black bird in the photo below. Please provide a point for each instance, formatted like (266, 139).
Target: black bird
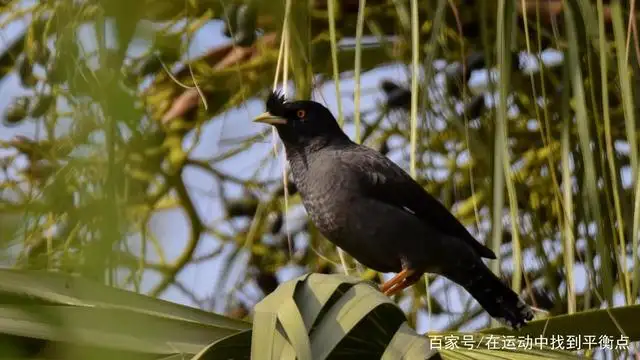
(372, 209)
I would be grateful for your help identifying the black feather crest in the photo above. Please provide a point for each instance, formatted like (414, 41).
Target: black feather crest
(276, 103)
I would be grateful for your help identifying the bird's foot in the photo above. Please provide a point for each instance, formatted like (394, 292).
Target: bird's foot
(396, 288)
(399, 282)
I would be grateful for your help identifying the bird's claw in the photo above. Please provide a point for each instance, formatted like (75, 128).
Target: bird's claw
(401, 281)
(395, 288)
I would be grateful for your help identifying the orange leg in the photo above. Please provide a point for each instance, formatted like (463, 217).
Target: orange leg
(403, 285)
(408, 281)
(397, 282)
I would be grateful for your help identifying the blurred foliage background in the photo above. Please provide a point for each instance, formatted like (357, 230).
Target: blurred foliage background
(131, 161)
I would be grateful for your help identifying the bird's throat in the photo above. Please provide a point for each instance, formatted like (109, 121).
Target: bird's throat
(307, 146)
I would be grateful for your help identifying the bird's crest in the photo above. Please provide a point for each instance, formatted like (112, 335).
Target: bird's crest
(276, 103)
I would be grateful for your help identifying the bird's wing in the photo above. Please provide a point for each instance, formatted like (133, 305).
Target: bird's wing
(385, 181)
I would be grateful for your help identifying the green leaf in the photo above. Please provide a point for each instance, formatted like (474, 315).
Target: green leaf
(78, 313)
(315, 316)
(406, 345)
(353, 307)
(232, 347)
(58, 288)
(108, 328)
(345, 317)
(612, 322)
(280, 309)
(319, 316)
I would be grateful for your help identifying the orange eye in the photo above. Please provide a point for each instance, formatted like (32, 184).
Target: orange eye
(301, 114)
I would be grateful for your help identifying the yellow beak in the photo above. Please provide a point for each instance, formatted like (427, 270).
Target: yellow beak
(267, 118)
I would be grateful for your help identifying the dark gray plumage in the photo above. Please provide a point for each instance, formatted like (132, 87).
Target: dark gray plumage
(368, 206)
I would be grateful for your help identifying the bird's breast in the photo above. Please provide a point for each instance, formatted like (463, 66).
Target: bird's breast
(325, 212)
(325, 197)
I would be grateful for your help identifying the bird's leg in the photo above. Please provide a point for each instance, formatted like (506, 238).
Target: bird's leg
(409, 280)
(397, 280)
(395, 289)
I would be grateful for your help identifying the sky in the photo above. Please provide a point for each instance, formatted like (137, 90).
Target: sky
(171, 226)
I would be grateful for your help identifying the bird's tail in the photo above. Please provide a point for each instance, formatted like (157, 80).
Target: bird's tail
(493, 295)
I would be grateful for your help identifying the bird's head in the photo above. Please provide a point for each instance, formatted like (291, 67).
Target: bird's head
(301, 123)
